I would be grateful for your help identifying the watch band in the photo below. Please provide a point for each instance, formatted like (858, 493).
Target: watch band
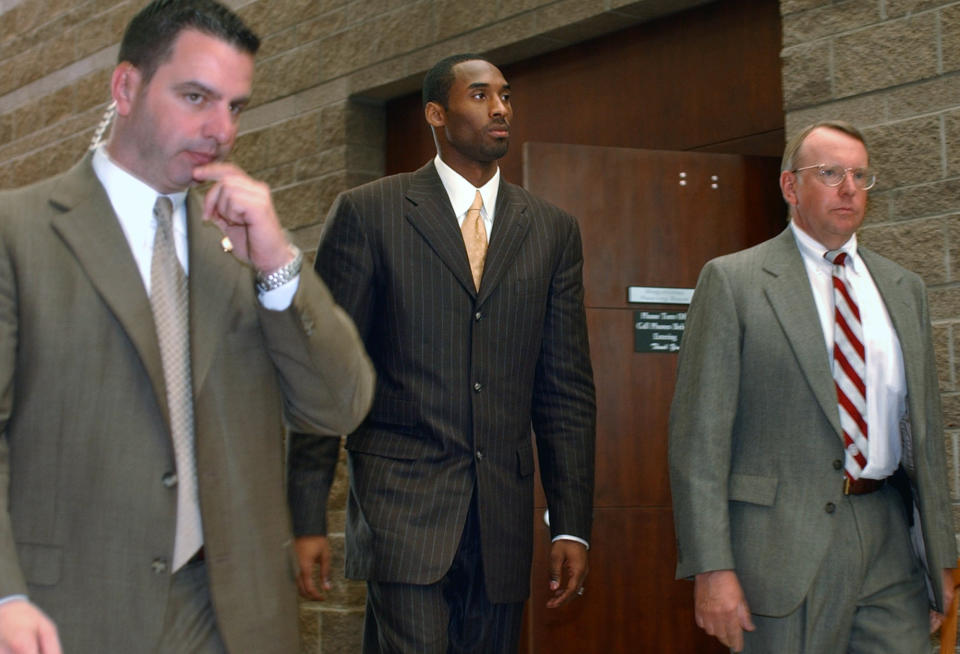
(283, 274)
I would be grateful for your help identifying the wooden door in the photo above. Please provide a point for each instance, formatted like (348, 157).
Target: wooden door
(648, 218)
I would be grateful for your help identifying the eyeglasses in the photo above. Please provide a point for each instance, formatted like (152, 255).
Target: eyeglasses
(833, 176)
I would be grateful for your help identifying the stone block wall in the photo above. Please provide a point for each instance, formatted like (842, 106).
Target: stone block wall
(892, 67)
(316, 124)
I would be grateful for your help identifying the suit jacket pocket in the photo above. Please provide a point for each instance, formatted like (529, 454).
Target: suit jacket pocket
(387, 443)
(40, 563)
(752, 488)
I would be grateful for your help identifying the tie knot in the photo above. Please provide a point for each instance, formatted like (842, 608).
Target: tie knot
(836, 257)
(163, 210)
(477, 203)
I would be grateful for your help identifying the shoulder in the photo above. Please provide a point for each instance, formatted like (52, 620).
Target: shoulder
(537, 208)
(772, 250)
(29, 205)
(881, 266)
(379, 189)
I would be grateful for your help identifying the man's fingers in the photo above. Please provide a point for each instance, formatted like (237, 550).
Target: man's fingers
(306, 585)
(49, 640)
(746, 619)
(936, 620)
(213, 172)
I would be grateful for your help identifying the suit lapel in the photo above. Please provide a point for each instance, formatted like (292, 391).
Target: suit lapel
(429, 210)
(89, 228)
(788, 291)
(510, 227)
(213, 282)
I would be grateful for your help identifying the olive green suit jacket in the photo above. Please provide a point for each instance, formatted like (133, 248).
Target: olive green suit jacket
(755, 428)
(87, 524)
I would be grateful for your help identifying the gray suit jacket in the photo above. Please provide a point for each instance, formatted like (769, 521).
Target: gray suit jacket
(87, 525)
(462, 376)
(755, 429)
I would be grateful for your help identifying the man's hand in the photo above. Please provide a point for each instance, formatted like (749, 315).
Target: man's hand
(312, 551)
(242, 208)
(568, 570)
(720, 607)
(25, 629)
(937, 618)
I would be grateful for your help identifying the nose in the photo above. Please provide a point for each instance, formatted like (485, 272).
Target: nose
(499, 107)
(221, 126)
(847, 187)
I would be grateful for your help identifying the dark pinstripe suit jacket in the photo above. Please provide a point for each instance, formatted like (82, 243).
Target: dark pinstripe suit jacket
(462, 376)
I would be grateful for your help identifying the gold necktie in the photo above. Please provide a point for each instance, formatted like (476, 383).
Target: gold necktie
(169, 301)
(475, 238)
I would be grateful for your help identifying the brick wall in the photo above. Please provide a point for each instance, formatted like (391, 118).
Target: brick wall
(893, 68)
(316, 125)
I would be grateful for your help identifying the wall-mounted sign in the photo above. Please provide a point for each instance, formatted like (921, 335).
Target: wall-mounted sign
(658, 331)
(659, 295)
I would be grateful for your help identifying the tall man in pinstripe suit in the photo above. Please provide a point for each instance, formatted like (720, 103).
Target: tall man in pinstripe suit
(440, 511)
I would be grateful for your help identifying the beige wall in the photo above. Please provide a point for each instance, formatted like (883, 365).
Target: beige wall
(317, 126)
(893, 68)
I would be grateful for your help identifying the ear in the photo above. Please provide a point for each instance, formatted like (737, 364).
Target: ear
(124, 86)
(435, 114)
(788, 186)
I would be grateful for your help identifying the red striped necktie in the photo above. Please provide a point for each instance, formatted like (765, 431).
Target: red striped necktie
(849, 367)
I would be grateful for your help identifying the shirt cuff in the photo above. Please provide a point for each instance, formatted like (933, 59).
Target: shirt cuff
(280, 298)
(10, 598)
(569, 537)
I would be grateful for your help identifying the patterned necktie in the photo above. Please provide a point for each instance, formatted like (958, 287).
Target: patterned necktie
(169, 300)
(849, 367)
(475, 238)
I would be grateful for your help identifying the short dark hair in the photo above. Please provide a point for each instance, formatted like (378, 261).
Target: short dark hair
(149, 38)
(439, 79)
(792, 149)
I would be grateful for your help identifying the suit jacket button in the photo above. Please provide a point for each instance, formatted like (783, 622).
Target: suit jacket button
(478, 316)
(169, 480)
(479, 455)
(159, 566)
(837, 464)
(830, 507)
(477, 386)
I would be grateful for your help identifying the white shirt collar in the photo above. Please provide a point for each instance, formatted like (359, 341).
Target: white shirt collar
(461, 192)
(815, 250)
(129, 195)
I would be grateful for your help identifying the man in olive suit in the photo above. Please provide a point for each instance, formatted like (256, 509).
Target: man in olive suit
(145, 371)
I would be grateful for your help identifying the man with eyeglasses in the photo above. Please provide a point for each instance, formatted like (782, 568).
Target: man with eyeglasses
(806, 444)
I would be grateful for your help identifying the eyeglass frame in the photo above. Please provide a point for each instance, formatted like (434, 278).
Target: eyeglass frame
(822, 166)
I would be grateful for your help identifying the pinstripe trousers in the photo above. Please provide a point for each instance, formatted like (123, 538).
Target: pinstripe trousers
(452, 616)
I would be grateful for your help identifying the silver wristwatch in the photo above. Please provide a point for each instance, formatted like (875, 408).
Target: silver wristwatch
(283, 274)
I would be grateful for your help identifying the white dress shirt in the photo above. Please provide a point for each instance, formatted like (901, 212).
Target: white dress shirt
(461, 194)
(133, 199)
(886, 383)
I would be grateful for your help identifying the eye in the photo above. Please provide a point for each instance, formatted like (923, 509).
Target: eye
(831, 174)
(505, 97)
(193, 98)
(236, 108)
